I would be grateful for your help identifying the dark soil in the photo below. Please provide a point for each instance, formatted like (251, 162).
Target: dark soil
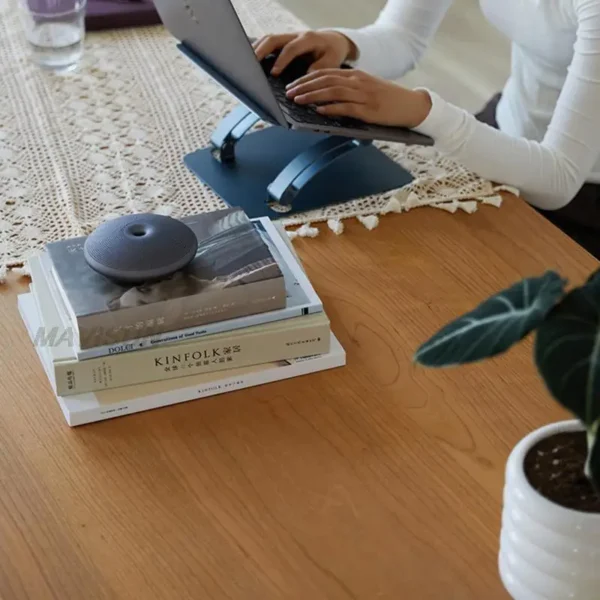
(554, 467)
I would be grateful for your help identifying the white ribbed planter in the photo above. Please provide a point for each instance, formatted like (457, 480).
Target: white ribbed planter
(546, 552)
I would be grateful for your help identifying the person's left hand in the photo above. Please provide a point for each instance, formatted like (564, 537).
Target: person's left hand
(352, 93)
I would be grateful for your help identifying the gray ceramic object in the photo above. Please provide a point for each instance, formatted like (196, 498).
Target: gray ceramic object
(139, 248)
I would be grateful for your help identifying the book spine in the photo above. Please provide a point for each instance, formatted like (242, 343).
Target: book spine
(113, 327)
(197, 356)
(198, 332)
(213, 388)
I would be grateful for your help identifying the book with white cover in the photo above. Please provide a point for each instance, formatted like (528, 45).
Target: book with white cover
(292, 338)
(301, 300)
(107, 404)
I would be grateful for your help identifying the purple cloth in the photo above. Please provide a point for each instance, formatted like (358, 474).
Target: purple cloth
(115, 14)
(100, 14)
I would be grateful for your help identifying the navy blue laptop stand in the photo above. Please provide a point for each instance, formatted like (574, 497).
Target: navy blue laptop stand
(277, 172)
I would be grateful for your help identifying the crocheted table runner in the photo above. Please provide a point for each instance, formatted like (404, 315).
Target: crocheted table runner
(109, 139)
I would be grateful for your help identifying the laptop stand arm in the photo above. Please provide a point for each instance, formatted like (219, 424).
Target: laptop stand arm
(229, 131)
(297, 173)
(305, 167)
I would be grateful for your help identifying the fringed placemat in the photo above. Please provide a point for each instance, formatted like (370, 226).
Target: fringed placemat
(109, 138)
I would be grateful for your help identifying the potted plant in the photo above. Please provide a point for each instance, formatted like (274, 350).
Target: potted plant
(550, 539)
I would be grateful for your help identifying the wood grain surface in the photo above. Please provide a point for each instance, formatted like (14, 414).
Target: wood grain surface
(376, 481)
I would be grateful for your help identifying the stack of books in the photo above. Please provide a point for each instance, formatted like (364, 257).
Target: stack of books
(243, 313)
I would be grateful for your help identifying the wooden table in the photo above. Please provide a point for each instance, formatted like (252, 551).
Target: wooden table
(377, 481)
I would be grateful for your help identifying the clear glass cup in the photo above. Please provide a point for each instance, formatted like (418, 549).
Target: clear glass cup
(55, 30)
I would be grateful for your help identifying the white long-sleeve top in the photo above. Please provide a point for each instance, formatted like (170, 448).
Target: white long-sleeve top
(549, 116)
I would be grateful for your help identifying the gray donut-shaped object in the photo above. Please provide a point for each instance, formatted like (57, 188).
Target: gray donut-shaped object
(138, 248)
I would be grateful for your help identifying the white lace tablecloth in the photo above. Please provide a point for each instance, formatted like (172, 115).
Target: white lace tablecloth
(109, 139)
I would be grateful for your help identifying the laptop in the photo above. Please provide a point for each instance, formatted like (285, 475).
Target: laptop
(211, 33)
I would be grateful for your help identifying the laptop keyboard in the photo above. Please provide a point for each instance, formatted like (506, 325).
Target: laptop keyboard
(302, 114)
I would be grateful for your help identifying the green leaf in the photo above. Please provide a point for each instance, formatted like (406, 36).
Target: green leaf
(593, 462)
(594, 277)
(495, 325)
(567, 352)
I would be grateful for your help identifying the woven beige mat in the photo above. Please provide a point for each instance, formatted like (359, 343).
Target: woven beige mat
(109, 139)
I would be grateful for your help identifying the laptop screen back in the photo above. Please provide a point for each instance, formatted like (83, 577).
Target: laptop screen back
(211, 28)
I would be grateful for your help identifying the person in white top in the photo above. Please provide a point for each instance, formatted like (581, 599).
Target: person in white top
(541, 135)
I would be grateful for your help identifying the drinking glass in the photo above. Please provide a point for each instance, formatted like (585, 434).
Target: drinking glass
(55, 30)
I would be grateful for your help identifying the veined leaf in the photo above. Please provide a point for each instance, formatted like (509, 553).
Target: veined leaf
(594, 277)
(567, 352)
(593, 464)
(495, 325)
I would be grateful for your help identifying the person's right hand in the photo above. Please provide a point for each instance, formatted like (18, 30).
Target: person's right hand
(329, 49)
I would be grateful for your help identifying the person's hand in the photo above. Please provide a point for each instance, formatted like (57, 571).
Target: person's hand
(328, 48)
(350, 93)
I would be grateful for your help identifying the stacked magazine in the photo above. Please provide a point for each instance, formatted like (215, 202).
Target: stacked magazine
(243, 313)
